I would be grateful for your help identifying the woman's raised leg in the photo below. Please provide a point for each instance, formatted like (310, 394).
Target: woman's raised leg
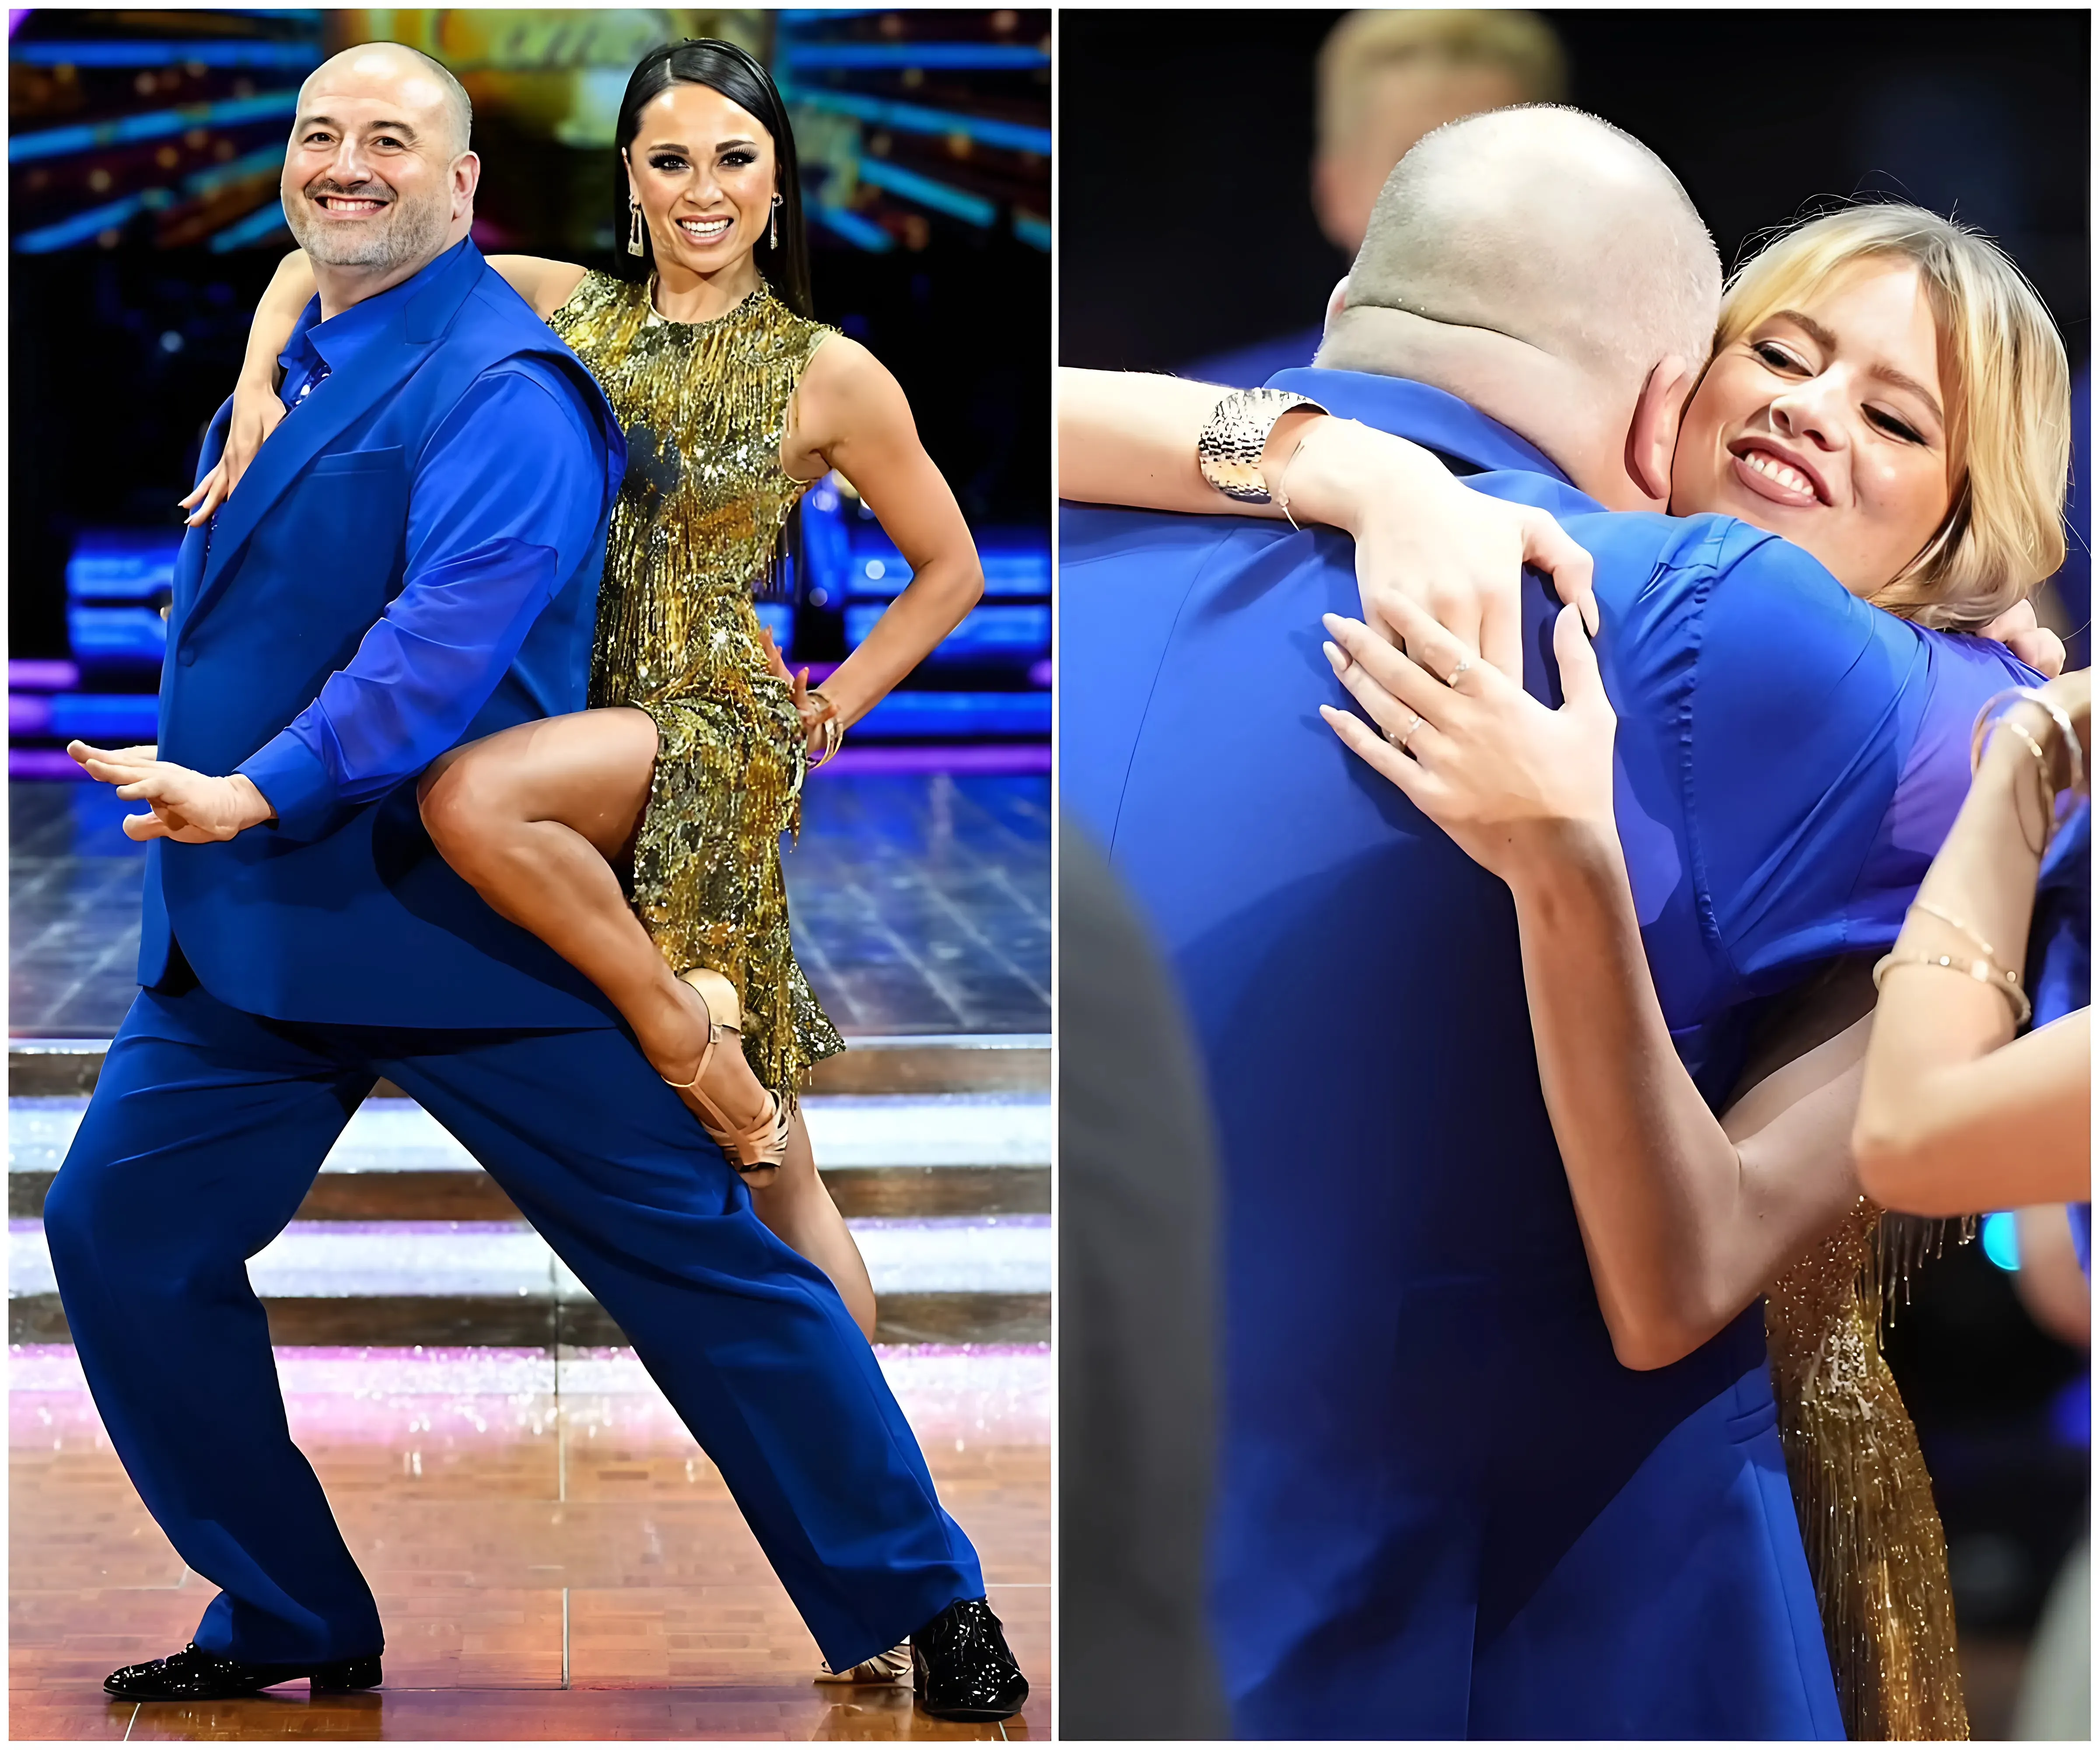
(533, 818)
(799, 1210)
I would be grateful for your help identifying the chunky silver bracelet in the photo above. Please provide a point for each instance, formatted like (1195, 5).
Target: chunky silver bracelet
(1228, 448)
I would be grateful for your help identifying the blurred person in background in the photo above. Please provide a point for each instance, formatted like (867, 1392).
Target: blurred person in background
(1136, 1340)
(1383, 80)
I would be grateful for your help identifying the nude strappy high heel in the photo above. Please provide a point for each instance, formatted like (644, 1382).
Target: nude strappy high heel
(761, 1145)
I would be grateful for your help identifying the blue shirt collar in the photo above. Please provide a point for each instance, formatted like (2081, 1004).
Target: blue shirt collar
(338, 342)
(1432, 418)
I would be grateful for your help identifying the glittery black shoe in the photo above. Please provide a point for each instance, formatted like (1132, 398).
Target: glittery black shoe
(194, 1675)
(960, 1668)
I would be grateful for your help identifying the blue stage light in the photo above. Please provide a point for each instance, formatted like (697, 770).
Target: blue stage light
(972, 209)
(976, 57)
(2001, 1239)
(916, 118)
(2070, 1412)
(60, 143)
(81, 226)
(862, 233)
(298, 57)
(265, 221)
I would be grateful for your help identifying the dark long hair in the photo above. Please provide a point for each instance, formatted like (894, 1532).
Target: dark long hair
(722, 67)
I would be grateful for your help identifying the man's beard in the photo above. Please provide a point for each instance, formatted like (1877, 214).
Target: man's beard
(407, 230)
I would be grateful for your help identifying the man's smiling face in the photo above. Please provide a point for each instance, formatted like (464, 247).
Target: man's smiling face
(378, 172)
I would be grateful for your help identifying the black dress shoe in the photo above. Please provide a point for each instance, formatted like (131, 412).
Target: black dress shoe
(195, 1675)
(960, 1668)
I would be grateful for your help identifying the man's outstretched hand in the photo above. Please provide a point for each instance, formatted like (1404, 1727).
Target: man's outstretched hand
(187, 806)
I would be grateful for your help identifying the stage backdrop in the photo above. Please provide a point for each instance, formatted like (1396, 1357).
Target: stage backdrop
(144, 151)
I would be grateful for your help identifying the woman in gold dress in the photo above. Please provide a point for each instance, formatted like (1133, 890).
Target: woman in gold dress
(690, 765)
(1946, 509)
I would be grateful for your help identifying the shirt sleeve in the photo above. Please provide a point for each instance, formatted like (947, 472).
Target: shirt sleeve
(505, 506)
(1824, 753)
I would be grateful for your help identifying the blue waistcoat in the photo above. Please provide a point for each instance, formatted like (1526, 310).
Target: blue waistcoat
(360, 922)
(1444, 1508)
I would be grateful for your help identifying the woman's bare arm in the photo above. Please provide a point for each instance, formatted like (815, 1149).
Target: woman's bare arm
(849, 414)
(1685, 1216)
(1954, 1118)
(544, 284)
(1125, 439)
(256, 408)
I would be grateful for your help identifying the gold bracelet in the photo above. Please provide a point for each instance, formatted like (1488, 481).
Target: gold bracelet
(1991, 714)
(834, 732)
(1989, 952)
(1983, 971)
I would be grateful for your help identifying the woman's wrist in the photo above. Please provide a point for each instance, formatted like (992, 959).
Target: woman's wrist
(1343, 474)
(1552, 863)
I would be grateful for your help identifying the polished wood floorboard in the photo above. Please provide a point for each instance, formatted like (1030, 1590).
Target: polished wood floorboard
(547, 1568)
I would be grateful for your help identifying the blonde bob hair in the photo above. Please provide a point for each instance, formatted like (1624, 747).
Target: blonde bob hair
(2008, 384)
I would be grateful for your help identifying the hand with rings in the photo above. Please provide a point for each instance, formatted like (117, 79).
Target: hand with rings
(1507, 778)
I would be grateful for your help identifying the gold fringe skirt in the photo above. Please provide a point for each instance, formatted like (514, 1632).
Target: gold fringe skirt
(707, 884)
(1875, 1546)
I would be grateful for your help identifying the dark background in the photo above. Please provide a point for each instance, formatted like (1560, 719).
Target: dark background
(1184, 226)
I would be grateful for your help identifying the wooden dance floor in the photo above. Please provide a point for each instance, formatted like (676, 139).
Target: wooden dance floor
(553, 1556)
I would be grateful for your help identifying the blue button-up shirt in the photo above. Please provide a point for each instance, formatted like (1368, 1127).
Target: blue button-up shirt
(504, 506)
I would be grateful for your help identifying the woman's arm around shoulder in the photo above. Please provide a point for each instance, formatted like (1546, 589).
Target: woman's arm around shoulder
(544, 284)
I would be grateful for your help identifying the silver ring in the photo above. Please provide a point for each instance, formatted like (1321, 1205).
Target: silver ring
(1451, 680)
(1400, 740)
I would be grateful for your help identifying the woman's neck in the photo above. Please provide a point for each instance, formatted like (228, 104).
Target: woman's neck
(681, 295)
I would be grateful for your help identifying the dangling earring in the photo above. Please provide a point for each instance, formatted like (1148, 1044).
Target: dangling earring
(634, 227)
(773, 235)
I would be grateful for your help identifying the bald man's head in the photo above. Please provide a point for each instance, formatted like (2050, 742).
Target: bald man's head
(378, 178)
(396, 61)
(1551, 227)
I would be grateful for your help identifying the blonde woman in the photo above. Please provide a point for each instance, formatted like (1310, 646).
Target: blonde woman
(1887, 392)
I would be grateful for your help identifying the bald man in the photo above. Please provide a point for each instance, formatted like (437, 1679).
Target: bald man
(411, 562)
(1445, 1509)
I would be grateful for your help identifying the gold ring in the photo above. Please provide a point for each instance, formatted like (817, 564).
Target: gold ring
(1451, 680)
(1401, 740)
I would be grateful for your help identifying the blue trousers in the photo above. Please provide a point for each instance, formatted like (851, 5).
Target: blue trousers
(207, 1130)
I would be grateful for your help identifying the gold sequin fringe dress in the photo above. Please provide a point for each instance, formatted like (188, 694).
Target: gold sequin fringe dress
(1875, 1546)
(704, 405)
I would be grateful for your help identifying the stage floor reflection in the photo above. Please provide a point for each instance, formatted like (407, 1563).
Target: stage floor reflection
(921, 903)
(554, 1557)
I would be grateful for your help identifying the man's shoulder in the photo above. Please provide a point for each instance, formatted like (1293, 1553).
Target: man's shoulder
(1152, 540)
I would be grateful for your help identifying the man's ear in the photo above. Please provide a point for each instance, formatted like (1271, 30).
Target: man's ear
(1338, 301)
(466, 175)
(1651, 437)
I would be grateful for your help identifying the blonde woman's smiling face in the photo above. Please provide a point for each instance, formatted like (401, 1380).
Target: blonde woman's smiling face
(1827, 423)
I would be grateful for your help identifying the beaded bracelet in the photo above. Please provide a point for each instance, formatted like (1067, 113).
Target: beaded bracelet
(1983, 971)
